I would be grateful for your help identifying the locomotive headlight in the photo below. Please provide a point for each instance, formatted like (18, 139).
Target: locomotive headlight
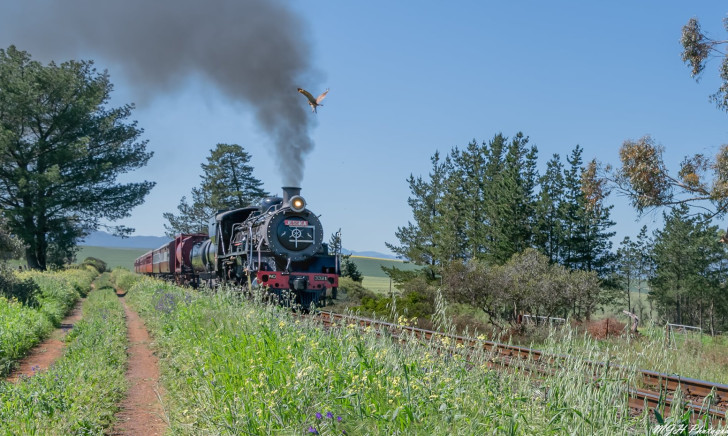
(298, 204)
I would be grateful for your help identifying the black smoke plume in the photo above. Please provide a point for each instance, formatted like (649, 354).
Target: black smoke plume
(254, 51)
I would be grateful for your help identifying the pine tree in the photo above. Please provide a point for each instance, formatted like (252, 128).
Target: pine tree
(419, 241)
(61, 151)
(687, 256)
(597, 255)
(628, 267)
(227, 183)
(548, 233)
(573, 210)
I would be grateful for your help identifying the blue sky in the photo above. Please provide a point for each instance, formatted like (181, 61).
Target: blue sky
(410, 78)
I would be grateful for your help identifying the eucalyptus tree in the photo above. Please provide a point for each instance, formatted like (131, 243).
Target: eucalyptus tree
(698, 48)
(61, 150)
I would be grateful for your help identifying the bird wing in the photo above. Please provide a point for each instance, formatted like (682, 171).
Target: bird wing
(322, 96)
(307, 94)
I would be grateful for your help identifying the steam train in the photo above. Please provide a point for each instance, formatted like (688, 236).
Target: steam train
(276, 244)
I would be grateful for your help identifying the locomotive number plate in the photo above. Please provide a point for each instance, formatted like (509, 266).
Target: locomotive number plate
(296, 223)
(320, 278)
(271, 276)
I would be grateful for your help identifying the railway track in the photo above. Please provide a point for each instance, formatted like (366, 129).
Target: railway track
(655, 390)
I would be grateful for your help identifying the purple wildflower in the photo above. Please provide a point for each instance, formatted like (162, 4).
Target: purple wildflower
(312, 430)
(318, 415)
(338, 418)
(329, 415)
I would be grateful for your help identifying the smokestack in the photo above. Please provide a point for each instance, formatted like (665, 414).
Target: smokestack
(288, 192)
(254, 52)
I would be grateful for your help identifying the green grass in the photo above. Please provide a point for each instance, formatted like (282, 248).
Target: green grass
(114, 257)
(232, 366)
(21, 327)
(80, 392)
(372, 267)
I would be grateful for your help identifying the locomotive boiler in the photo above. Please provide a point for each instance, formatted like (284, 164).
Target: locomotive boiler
(276, 244)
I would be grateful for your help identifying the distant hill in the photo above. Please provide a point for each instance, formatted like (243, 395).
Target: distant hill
(103, 239)
(368, 254)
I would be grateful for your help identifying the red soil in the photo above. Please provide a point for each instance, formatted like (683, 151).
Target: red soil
(42, 356)
(141, 412)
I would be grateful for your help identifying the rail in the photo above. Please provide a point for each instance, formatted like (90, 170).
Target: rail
(694, 391)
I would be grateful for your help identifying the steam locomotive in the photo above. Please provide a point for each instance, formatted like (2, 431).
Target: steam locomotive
(276, 244)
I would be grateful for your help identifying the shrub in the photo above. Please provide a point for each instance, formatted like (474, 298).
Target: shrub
(98, 264)
(23, 290)
(57, 291)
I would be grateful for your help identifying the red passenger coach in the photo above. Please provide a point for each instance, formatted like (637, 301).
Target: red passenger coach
(172, 258)
(143, 265)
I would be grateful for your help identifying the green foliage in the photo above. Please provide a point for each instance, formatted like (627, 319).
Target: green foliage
(549, 235)
(79, 394)
(349, 269)
(98, 264)
(527, 283)
(697, 49)
(124, 279)
(10, 246)
(633, 266)
(689, 271)
(487, 202)
(56, 296)
(11, 287)
(24, 325)
(61, 151)
(233, 367)
(227, 183)
(23, 328)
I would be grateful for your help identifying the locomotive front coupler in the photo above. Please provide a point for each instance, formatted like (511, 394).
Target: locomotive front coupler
(287, 269)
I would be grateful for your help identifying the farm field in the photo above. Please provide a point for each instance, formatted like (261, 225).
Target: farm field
(114, 257)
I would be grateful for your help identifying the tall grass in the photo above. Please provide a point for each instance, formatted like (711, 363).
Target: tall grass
(691, 357)
(238, 367)
(79, 393)
(21, 327)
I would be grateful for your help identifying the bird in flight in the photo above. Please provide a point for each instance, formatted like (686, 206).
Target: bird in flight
(313, 102)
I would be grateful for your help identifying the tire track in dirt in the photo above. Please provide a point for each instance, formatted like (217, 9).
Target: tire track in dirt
(43, 355)
(141, 411)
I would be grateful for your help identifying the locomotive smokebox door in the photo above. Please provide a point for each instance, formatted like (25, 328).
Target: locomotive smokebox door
(296, 236)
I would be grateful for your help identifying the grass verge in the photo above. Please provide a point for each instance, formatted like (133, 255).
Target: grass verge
(80, 392)
(238, 367)
(22, 327)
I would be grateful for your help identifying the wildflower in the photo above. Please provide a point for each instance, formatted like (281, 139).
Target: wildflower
(338, 418)
(312, 430)
(329, 415)
(318, 415)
